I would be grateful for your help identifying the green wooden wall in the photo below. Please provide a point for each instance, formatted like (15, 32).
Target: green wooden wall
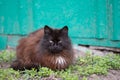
(91, 22)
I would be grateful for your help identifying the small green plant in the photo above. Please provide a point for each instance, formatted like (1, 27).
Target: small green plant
(67, 74)
(84, 78)
(10, 74)
(84, 67)
(7, 56)
(44, 71)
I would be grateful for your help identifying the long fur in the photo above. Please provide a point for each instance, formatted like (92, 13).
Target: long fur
(30, 54)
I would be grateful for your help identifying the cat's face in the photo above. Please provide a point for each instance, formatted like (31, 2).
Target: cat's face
(55, 40)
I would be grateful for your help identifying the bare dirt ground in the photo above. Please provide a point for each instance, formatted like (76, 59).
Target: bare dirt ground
(112, 75)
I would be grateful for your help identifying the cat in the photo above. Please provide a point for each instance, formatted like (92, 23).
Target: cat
(46, 47)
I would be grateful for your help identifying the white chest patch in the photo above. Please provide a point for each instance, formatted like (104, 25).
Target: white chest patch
(60, 60)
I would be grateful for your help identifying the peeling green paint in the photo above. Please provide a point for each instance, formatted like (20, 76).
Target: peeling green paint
(91, 22)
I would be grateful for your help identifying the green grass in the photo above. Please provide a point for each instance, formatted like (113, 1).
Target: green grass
(83, 67)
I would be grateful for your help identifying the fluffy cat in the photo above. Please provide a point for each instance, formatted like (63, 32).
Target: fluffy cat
(45, 47)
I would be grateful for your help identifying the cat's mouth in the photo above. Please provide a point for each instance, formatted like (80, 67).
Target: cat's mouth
(55, 50)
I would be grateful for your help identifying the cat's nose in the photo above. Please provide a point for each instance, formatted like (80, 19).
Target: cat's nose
(55, 46)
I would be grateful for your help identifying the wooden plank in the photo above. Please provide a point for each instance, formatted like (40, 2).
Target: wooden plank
(2, 16)
(113, 19)
(116, 20)
(25, 16)
(110, 19)
(105, 49)
(101, 19)
(11, 17)
(3, 42)
(96, 42)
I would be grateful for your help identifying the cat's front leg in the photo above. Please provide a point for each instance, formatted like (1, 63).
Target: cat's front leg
(17, 65)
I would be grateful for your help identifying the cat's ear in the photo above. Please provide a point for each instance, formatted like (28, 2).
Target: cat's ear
(47, 29)
(64, 30)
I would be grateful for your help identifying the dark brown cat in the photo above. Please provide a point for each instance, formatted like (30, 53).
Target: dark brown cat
(45, 47)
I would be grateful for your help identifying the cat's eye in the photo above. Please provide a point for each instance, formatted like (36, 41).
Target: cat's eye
(51, 41)
(60, 41)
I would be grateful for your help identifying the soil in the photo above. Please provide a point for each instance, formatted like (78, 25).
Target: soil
(112, 75)
(4, 65)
